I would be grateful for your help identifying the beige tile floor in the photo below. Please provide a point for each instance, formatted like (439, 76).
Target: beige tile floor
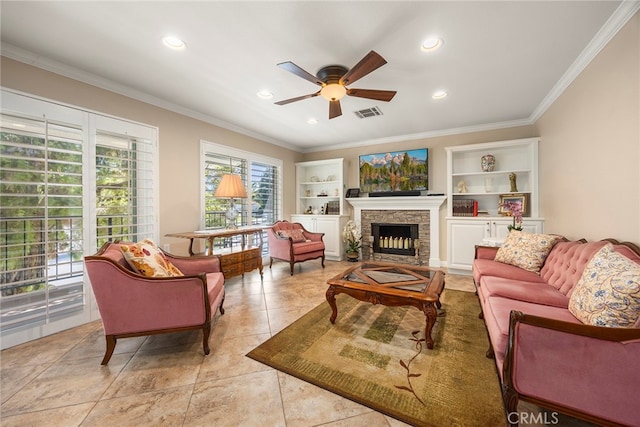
(167, 380)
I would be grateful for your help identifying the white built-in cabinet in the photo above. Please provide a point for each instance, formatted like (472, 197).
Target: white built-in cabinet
(464, 170)
(320, 184)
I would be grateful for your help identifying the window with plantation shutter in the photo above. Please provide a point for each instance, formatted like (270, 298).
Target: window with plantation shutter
(262, 177)
(70, 180)
(124, 188)
(41, 220)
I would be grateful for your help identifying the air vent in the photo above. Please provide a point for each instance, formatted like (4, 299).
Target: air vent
(368, 112)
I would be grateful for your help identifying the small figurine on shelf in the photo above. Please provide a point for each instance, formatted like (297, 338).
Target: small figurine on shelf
(512, 181)
(309, 211)
(462, 187)
(322, 210)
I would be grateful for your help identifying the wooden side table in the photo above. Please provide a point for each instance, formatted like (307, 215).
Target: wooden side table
(234, 260)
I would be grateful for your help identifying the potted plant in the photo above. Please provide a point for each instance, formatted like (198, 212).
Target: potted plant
(352, 236)
(515, 210)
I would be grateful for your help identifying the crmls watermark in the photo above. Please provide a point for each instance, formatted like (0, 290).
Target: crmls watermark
(524, 418)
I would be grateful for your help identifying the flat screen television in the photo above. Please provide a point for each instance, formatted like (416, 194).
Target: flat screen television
(394, 171)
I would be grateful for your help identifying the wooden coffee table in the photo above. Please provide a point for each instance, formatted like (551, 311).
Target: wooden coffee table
(391, 284)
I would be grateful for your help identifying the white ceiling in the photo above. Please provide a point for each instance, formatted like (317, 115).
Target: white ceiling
(502, 63)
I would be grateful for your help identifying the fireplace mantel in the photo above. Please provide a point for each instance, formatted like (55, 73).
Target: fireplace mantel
(413, 203)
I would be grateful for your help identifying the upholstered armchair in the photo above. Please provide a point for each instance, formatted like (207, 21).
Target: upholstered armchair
(291, 242)
(132, 304)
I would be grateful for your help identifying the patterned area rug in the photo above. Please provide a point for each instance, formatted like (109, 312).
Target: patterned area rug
(376, 356)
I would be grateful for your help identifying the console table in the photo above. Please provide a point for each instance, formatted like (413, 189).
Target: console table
(234, 260)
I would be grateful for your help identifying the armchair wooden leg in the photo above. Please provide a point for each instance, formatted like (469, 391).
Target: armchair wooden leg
(322, 260)
(206, 331)
(270, 262)
(291, 264)
(111, 345)
(221, 308)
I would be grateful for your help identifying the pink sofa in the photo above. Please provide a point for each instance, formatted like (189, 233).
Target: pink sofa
(545, 355)
(133, 305)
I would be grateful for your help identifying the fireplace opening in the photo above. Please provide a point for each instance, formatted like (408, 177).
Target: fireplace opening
(396, 239)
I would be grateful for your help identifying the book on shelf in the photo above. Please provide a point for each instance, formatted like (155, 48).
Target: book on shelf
(332, 208)
(465, 207)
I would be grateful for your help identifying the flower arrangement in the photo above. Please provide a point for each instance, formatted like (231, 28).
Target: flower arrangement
(515, 209)
(352, 236)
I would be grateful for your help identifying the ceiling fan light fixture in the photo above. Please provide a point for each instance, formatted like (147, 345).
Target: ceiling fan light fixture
(312, 121)
(333, 92)
(264, 94)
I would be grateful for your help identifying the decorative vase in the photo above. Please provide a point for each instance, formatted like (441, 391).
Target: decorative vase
(353, 256)
(488, 162)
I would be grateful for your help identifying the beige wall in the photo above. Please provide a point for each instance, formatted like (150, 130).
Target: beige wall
(590, 149)
(589, 154)
(179, 141)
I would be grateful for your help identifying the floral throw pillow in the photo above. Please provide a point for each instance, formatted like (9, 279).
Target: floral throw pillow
(296, 235)
(608, 293)
(526, 250)
(145, 258)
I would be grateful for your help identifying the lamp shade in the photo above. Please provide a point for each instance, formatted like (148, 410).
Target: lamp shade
(231, 186)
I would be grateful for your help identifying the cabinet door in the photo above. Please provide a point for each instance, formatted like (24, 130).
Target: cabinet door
(307, 221)
(330, 228)
(463, 236)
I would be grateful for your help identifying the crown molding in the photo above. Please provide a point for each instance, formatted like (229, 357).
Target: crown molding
(616, 21)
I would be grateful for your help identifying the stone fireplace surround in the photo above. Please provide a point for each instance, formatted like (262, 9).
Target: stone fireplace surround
(422, 210)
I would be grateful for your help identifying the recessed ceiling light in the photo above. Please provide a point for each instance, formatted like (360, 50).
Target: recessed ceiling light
(312, 121)
(431, 44)
(173, 42)
(264, 94)
(439, 94)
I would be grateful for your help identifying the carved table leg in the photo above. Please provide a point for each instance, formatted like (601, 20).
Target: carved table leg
(331, 299)
(431, 314)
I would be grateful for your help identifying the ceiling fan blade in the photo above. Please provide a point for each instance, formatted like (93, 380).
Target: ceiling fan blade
(370, 62)
(293, 68)
(299, 98)
(380, 95)
(334, 109)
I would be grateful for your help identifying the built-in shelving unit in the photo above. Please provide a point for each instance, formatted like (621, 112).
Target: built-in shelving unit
(466, 181)
(320, 202)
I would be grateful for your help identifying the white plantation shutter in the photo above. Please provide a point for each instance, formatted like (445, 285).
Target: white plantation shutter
(65, 175)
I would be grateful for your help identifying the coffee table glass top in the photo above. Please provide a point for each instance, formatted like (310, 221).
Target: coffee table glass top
(407, 278)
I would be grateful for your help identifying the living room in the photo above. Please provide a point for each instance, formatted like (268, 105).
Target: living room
(588, 155)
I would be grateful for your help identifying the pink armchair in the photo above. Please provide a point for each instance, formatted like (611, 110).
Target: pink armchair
(289, 241)
(133, 305)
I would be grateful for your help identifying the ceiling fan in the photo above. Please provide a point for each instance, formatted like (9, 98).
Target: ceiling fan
(334, 80)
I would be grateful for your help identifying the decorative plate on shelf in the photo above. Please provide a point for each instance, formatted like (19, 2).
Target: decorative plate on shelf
(331, 178)
(314, 179)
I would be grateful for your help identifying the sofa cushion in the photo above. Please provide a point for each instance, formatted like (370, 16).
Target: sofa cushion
(608, 293)
(533, 292)
(526, 250)
(145, 258)
(295, 234)
(306, 247)
(487, 267)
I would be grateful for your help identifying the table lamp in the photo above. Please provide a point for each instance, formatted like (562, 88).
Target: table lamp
(231, 186)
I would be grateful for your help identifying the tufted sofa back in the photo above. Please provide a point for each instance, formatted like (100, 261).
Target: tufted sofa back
(566, 262)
